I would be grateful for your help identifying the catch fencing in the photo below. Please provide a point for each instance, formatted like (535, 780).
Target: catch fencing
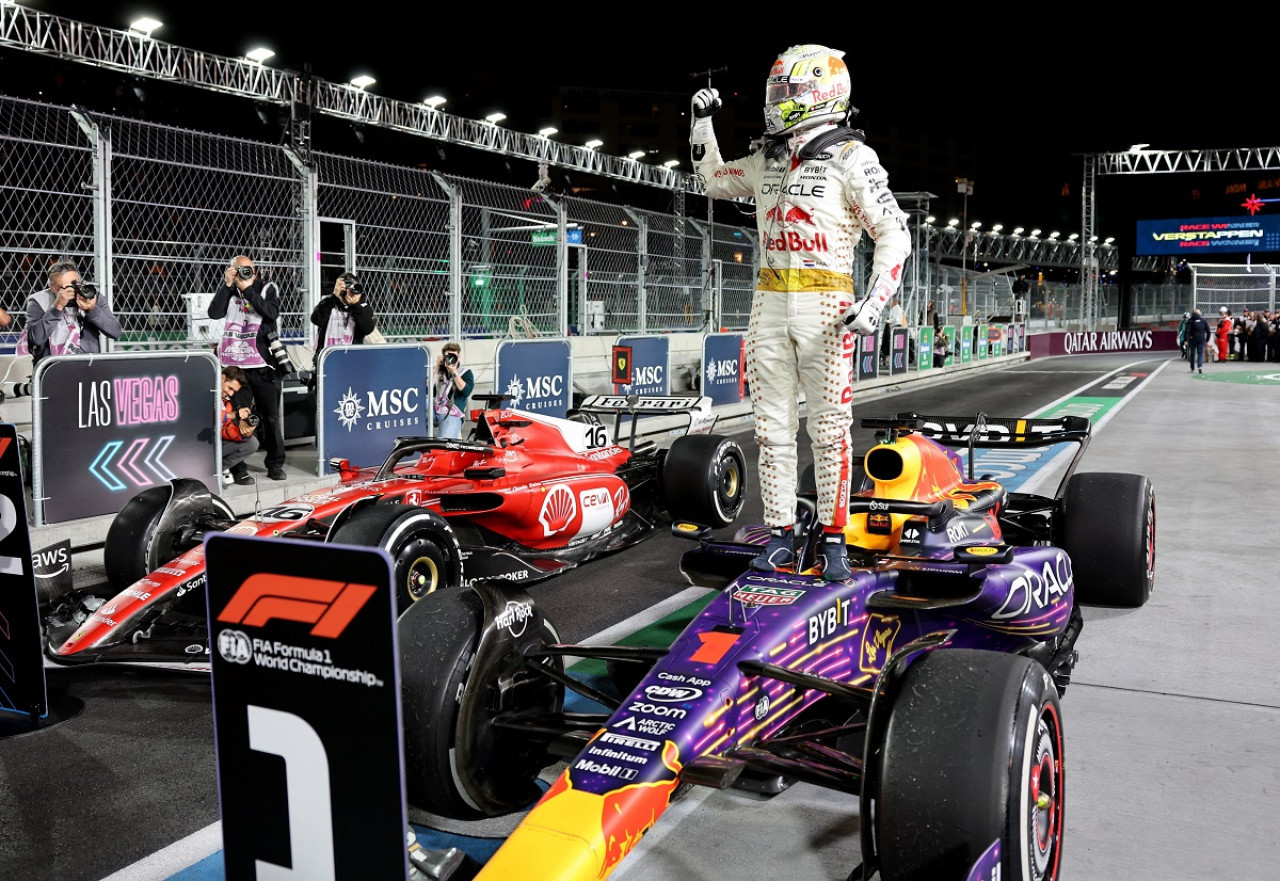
(153, 214)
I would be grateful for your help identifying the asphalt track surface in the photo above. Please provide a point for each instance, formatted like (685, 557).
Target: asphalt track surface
(1172, 718)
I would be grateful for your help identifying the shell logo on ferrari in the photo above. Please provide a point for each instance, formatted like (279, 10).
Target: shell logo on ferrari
(558, 510)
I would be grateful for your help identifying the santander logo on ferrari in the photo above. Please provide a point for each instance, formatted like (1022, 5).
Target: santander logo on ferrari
(558, 509)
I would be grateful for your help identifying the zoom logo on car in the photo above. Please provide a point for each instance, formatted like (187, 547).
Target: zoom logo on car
(672, 694)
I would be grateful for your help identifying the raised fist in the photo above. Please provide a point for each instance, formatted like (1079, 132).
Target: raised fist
(705, 103)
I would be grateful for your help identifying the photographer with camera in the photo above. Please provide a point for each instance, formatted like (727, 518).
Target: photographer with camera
(454, 384)
(238, 425)
(250, 341)
(344, 319)
(66, 318)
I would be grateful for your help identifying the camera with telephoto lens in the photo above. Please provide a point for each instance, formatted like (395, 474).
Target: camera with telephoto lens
(85, 289)
(352, 286)
(246, 272)
(281, 355)
(252, 420)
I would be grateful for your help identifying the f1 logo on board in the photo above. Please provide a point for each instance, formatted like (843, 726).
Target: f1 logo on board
(268, 596)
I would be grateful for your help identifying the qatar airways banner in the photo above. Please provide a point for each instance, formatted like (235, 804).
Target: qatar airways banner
(107, 427)
(1100, 342)
(1209, 235)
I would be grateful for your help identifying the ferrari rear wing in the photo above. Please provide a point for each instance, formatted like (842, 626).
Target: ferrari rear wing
(702, 418)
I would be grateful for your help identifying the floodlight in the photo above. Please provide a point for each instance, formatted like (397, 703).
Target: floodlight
(593, 143)
(495, 118)
(144, 26)
(433, 102)
(363, 81)
(548, 131)
(636, 154)
(259, 55)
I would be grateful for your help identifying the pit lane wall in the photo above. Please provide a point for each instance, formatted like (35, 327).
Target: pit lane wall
(72, 448)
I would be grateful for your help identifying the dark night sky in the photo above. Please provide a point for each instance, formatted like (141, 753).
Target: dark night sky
(1031, 91)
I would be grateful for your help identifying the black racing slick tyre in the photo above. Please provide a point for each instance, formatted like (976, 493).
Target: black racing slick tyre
(439, 637)
(424, 553)
(1108, 530)
(138, 541)
(972, 756)
(704, 479)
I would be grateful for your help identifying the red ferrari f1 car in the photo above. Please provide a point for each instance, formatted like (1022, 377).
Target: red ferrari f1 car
(926, 686)
(527, 497)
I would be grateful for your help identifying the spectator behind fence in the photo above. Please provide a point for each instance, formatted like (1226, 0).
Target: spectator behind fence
(941, 349)
(238, 426)
(66, 318)
(345, 318)
(251, 342)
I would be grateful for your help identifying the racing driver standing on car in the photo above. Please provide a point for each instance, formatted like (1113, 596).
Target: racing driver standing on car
(817, 187)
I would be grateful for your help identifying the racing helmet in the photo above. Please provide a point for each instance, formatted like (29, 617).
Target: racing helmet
(808, 84)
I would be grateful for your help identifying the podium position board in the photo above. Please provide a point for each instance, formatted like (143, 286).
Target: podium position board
(306, 710)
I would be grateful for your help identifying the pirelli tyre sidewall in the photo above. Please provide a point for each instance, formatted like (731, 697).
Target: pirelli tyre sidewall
(424, 551)
(457, 674)
(704, 479)
(972, 755)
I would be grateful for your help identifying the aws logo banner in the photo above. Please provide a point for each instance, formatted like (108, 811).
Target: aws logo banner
(650, 372)
(536, 374)
(306, 707)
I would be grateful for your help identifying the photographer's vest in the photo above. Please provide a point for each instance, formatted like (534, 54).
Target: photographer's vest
(239, 344)
(341, 329)
(64, 339)
(444, 405)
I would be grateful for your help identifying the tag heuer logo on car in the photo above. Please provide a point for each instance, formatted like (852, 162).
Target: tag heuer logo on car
(768, 596)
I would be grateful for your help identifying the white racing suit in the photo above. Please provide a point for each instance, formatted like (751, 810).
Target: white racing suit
(810, 214)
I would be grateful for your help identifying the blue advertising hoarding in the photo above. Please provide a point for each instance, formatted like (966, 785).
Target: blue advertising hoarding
(537, 374)
(367, 397)
(650, 366)
(722, 367)
(1191, 236)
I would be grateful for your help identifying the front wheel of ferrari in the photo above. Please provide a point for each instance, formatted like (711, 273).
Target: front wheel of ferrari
(424, 554)
(971, 772)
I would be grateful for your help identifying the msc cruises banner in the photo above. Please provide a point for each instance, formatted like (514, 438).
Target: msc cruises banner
(537, 374)
(1209, 235)
(722, 366)
(650, 366)
(367, 397)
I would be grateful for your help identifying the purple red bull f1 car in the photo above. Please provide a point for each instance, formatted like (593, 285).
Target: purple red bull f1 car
(926, 686)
